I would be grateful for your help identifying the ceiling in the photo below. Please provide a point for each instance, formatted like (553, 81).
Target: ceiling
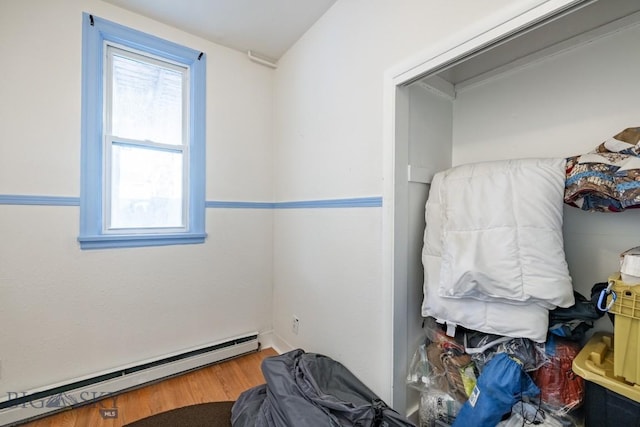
(265, 27)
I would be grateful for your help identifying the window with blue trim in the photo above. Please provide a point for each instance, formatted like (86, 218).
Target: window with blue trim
(143, 139)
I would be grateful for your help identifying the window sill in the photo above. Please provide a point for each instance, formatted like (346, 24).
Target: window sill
(139, 240)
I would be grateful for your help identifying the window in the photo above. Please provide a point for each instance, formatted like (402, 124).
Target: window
(142, 139)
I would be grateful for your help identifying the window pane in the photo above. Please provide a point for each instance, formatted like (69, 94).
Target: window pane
(146, 188)
(147, 101)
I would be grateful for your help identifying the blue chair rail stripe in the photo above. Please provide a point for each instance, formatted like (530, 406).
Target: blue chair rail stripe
(356, 202)
(239, 205)
(39, 200)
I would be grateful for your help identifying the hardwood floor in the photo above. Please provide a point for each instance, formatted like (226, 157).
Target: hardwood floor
(220, 382)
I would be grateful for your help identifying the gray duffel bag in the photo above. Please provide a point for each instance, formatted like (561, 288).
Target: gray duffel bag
(311, 390)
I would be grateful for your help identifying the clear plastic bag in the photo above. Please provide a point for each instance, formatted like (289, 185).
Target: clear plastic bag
(561, 389)
(483, 347)
(453, 364)
(441, 363)
(531, 414)
(437, 407)
(420, 375)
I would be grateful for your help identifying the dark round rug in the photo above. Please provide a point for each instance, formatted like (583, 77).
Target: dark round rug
(213, 414)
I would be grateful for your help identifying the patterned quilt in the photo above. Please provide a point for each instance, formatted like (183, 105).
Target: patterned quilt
(608, 178)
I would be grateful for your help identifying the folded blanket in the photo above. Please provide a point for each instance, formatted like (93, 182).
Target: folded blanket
(608, 178)
(502, 232)
(493, 249)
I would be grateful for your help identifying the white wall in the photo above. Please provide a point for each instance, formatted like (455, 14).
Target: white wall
(563, 106)
(66, 312)
(328, 144)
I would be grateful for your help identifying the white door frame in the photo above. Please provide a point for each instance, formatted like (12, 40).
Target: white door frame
(507, 21)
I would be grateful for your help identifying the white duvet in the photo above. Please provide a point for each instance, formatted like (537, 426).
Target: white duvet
(493, 248)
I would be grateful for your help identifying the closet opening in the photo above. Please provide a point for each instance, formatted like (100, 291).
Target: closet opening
(534, 75)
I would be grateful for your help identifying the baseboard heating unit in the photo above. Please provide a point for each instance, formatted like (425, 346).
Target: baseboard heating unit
(103, 387)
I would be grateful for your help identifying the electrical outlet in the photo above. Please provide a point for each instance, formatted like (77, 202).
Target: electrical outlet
(295, 325)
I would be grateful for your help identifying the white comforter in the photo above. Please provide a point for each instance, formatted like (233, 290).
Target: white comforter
(493, 248)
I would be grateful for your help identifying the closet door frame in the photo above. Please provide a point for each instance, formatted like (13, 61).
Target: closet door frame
(515, 19)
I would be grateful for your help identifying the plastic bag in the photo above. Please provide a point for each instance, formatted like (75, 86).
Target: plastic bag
(561, 389)
(453, 370)
(437, 407)
(441, 363)
(527, 414)
(445, 368)
(435, 334)
(419, 375)
(483, 347)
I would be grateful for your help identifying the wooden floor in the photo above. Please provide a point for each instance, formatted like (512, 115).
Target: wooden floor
(220, 382)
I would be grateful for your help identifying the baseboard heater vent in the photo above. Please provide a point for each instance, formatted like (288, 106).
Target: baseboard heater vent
(21, 406)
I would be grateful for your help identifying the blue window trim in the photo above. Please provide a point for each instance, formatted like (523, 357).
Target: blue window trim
(95, 31)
